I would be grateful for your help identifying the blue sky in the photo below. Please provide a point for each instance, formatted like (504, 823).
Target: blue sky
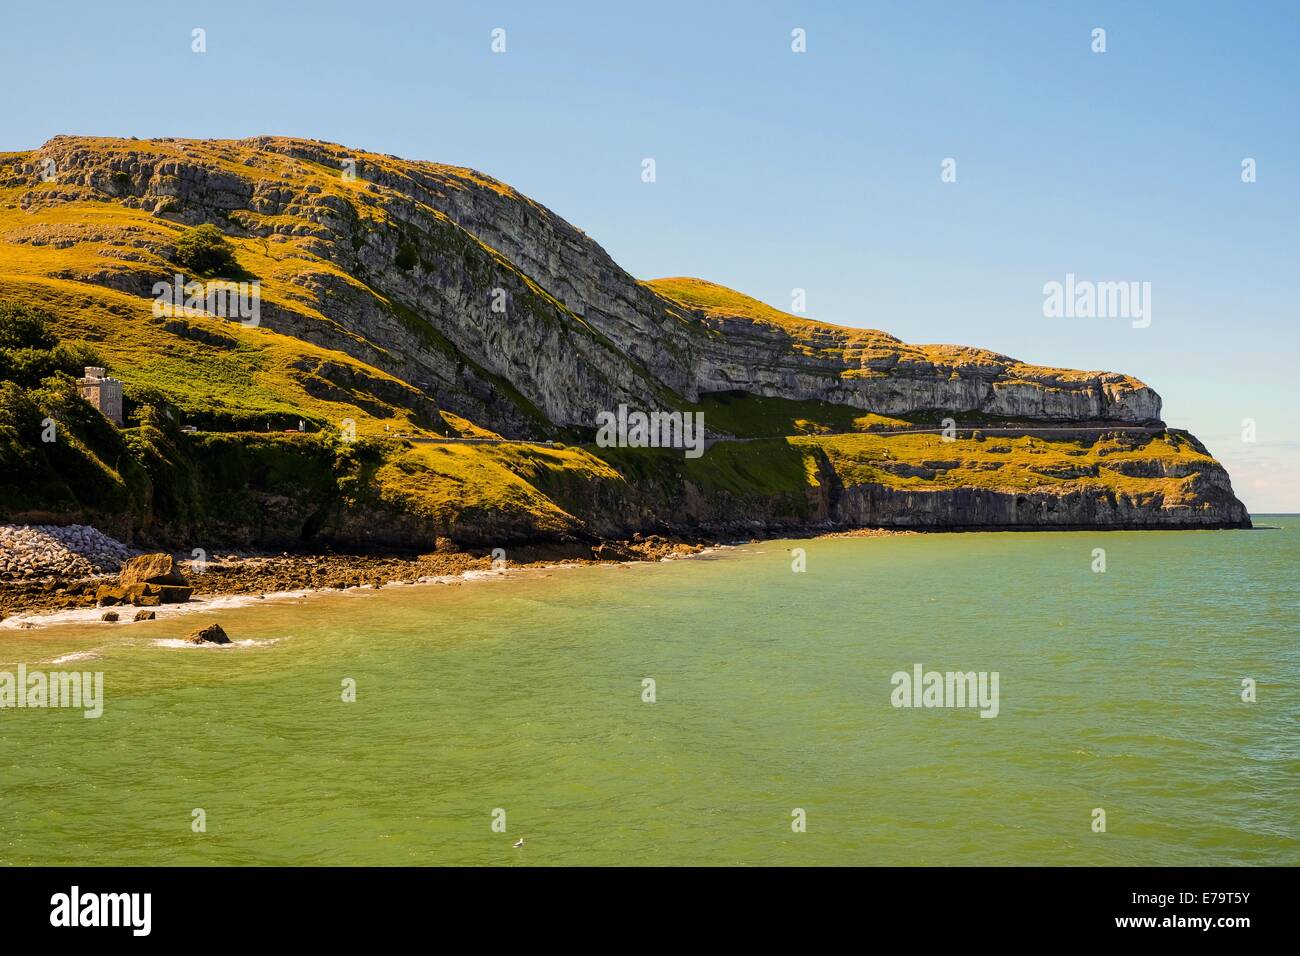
(819, 170)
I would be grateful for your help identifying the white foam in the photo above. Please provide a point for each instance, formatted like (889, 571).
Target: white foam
(93, 615)
(76, 656)
(221, 602)
(175, 643)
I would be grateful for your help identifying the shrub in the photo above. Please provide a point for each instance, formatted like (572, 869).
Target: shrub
(73, 357)
(407, 256)
(30, 351)
(24, 326)
(27, 366)
(205, 251)
(19, 416)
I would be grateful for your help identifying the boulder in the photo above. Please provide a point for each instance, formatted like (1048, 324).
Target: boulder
(173, 593)
(143, 594)
(145, 615)
(212, 634)
(109, 616)
(158, 568)
(612, 551)
(107, 595)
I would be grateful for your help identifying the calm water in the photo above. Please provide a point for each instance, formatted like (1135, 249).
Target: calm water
(1119, 690)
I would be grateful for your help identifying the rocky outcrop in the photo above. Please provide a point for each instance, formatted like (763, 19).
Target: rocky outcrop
(877, 506)
(147, 580)
(435, 299)
(490, 305)
(761, 350)
(209, 634)
(157, 568)
(1115, 481)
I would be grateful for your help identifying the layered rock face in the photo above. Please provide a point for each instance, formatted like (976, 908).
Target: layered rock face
(462, 288)
(415, 299)
(1116, 480)
(874, 506)
(765, 351)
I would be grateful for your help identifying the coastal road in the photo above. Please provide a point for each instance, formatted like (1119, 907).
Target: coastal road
(1047, 431)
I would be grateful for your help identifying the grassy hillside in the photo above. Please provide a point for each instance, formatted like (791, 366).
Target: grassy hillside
(375, 326)
(91, 256)
(88, 261)
(1129, 464)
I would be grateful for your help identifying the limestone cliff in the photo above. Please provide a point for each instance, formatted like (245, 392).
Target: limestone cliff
(397, 268)
(410, 297)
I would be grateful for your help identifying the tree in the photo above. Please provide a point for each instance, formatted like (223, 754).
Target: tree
(205, 251)
(23, 326)
(30, 350)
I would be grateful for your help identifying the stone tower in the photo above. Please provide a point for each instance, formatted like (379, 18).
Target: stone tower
(103, 392)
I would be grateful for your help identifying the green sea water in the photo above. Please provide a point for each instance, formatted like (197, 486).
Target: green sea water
(524, 692)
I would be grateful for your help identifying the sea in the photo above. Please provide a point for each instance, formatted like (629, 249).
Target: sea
(1131, 698)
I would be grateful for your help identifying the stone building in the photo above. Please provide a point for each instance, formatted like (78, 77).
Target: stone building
(103, 392)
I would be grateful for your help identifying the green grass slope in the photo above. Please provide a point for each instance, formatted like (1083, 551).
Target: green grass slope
(87, 246)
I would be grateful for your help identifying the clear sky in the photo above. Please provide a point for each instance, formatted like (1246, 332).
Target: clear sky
(821, 170)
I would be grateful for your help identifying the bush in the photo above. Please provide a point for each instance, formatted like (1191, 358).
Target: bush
(74, 357)
(30, 351)
(27, 366)
(144, 405)
(24, 326)
(19, 416)
(407, 256)
(85, 470)
(205, 251)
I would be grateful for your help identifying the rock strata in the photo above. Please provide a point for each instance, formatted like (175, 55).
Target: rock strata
(579, 335)
(437, 300)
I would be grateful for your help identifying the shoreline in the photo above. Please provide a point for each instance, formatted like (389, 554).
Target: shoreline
(27, 603)
(259, 575)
